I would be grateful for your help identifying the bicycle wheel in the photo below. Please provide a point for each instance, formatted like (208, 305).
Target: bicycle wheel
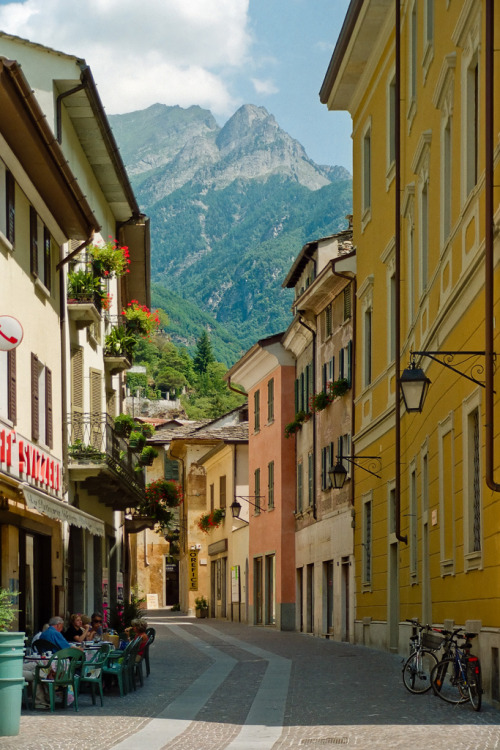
(474, 682)
(447, 682)
(417, 671)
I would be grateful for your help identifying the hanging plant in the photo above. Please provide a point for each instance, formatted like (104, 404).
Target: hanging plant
(159, 499)
(110, 259)
(148, 455)
(124, 424)
(137, 440)
(212, 520)
(139, 319)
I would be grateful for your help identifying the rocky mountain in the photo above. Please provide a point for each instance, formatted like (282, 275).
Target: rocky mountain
(230, 209)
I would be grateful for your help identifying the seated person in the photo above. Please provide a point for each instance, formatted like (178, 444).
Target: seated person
(54, 635)
(138, 629)
(96, 629)
(77, 631)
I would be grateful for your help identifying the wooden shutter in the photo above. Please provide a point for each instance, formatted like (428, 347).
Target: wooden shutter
(10, 189)
(347, 302)
(11, 386)
(47, 259)
(33, 241)
(49, 435)
(171, 470)
(76, 395)
(111, 403)
(349, 363)
(35, 400)
(222, 491)
(270, 400)
(341, 364)
(96, 426)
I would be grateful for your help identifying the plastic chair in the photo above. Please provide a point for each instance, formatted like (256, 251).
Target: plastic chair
(63, 665)
(116, 665)
(92, 671)
(134, 667)
(146, 653)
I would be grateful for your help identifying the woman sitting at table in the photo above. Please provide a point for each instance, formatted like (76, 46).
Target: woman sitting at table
(138, 629)
(77, 632)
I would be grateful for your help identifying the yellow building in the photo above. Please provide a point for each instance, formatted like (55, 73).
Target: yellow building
(425, 165)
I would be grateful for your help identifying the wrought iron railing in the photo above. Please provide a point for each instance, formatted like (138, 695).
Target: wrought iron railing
(92, 439)
(81, 295)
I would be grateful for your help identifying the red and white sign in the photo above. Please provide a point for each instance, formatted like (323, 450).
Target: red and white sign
(11, 333)
(23, 460)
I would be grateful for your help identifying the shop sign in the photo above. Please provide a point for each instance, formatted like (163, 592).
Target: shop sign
(193, 570)
(11, 333)
(235, 584)
(25, 461)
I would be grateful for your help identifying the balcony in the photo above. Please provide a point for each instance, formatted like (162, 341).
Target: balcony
(84, 308)
(119, 347)
(103, 461)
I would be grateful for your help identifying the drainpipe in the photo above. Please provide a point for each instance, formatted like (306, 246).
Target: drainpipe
(77, 250)
(353, 281)
(303, 323)
(236, 390)
(59, 109)
(397, 273)
(488, 250)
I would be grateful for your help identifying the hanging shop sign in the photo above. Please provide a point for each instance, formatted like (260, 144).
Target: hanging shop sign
(193, 570)
(11, 333)
(25, 461)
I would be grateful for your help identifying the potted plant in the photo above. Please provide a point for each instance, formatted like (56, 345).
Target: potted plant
(119, 343)
(201, 606)
(139, 319)
(11, 666)
(124, 424)
(159, 498)
(110, 259)
(292, 427)
(320, 401)
(137, 440)
(337, 388)
(212, 520)
(83, 286)
(147, 455)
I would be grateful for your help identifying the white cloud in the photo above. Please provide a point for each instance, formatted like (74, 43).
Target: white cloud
(264, 87)
(169, 51)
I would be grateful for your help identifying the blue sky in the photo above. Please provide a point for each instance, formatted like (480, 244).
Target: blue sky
(215, 53)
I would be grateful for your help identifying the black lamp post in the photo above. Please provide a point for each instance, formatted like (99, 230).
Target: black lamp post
(338, 475)
(235, 508)
(414, 386)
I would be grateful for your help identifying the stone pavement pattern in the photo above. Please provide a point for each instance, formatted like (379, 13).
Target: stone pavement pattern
(218, 685)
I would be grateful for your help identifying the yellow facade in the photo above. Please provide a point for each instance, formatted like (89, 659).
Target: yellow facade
(445, 565)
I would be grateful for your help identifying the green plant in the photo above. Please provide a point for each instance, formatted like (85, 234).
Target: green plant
(83, 284)
(209, 521)
(292, 427)
(200, 603)
(124, 424)
(120, 342)
(160, 497)
(338, 387)
(7, 607)
(121, 615)
(147, 455)
(176, 607)
(110, 259)
(140, 319)
(137, 440)
(319, 401)
(79, 449)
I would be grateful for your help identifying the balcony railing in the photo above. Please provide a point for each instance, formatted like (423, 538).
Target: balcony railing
(93, 444)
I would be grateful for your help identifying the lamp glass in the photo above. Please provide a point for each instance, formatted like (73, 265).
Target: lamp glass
(235, 509)
(338, 475)
(414, 386)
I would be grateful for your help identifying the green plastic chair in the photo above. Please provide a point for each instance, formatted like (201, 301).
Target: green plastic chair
(62, 665)
(132, 664)
(116, 665)
(92, 671)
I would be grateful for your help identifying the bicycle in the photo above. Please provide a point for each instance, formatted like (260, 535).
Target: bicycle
(457, 677)
(418, 666)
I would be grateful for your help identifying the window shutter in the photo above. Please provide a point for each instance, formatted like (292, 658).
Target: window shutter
(49, 435)
(111, 403)
(35, 421)
(347, 302)
(10, 189)
(11, 387)
(33, 241)
(171, 470)
(341, 364)
(349, 363)
(296, 395)
(47, 259)
(96, 427)
(324, 377)
(76, 395)
(222, 492)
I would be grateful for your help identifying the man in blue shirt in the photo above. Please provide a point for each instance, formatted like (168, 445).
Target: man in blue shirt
(54, 635)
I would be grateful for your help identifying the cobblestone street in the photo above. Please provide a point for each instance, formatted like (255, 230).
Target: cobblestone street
(216, 685)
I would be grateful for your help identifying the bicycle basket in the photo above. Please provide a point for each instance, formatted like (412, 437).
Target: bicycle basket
(432, 641)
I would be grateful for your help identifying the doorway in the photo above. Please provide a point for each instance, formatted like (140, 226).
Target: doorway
(35, 581)
(346, 613)
(171, 581)
(257, 570)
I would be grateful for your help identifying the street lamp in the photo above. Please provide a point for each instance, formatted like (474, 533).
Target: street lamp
(236, 506)
(338, 475)
(414, 386)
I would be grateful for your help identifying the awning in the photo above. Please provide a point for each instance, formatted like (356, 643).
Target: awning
(61, 511)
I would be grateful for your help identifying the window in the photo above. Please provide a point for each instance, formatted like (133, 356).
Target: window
(447, 188)
(392, 318)
(471, 125)
(310, 479)
(367, 177)
(270, 400)
(212, 497)
(447, 521)
(41, 402)
(412, 61)
(424, 236)
(367, 370)
(256, 411)
(472, 482)
(347, 302)
(428, 36)
(171, 469)
(413, 526)
(300, 487)
(327, 461)
(391, 129)
(309, 386)
(40, 249)
(327, 373)
(222, 491)
(8, 385)
(367, 543)
(270, 485)
(10, 189)
(328, 321)
(344, 449)
(256, 481)
(345, 363)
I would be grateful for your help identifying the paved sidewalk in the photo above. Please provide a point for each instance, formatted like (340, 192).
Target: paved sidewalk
(218, 685)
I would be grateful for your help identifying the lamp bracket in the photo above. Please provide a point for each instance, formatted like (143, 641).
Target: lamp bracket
(376, 463)
(247, 499)
(447, 359)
